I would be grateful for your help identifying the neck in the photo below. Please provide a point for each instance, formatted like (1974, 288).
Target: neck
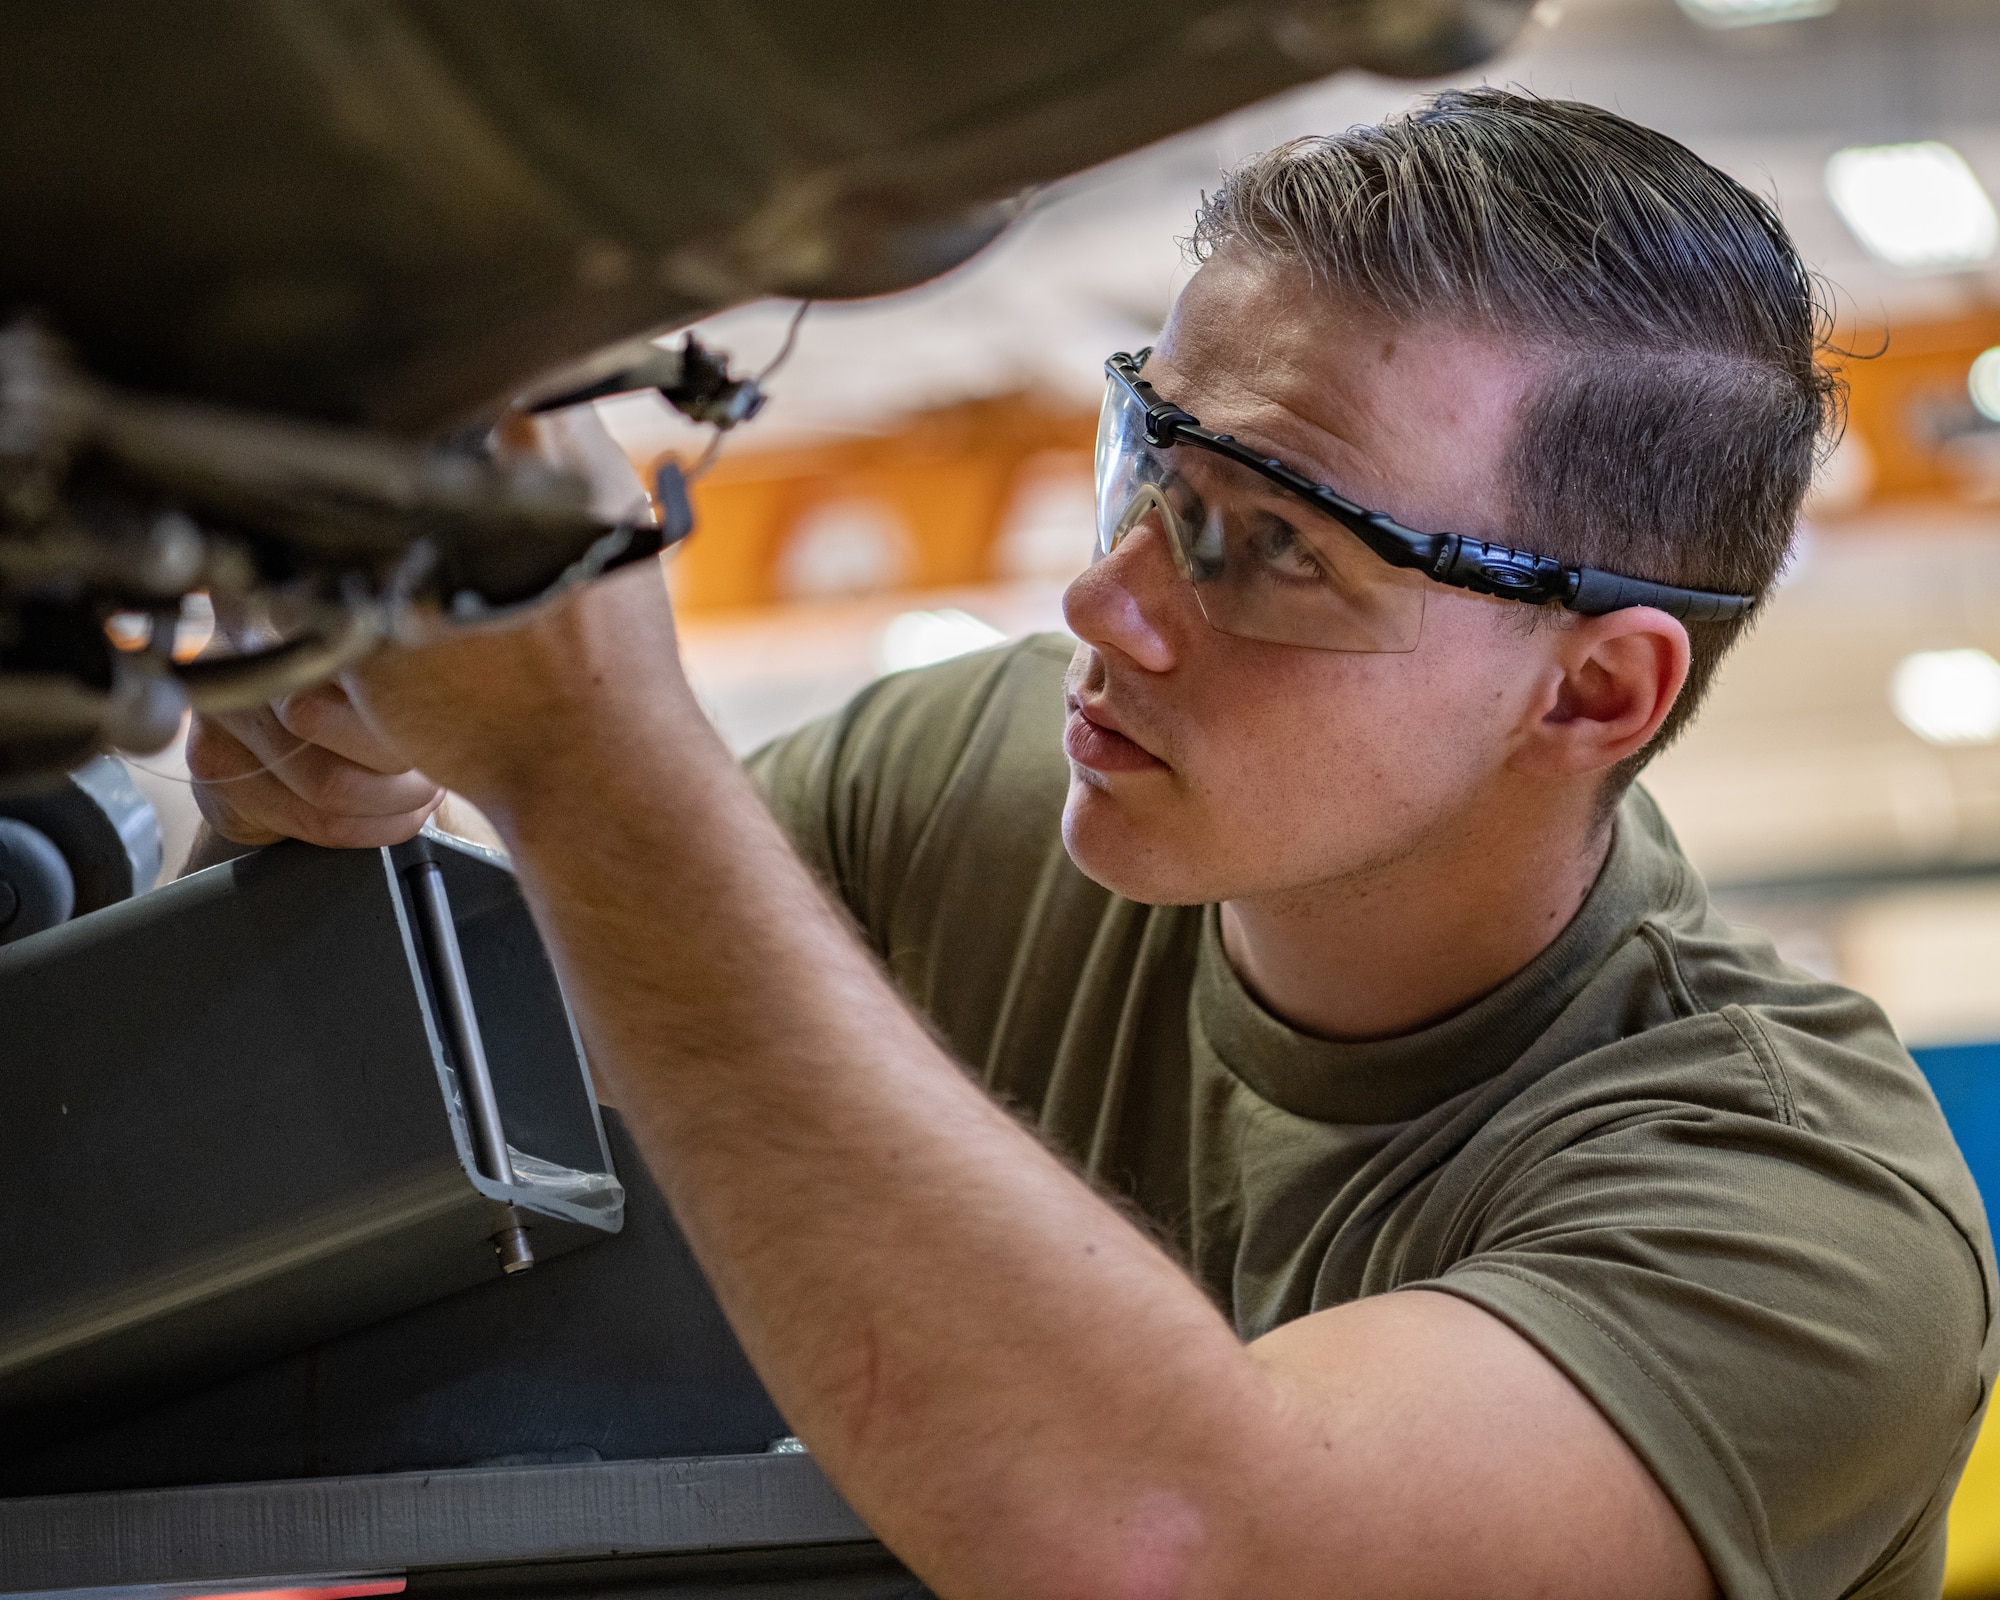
(1398, 946)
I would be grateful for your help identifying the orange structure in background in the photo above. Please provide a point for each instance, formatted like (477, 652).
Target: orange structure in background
(1910, 410)
(948, 478)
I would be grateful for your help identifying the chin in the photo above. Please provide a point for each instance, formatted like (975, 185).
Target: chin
(1116, 850)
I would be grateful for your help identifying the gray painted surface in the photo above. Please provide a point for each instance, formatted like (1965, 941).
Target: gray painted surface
(337, 1527)
(259, 1145)
(615, 1353)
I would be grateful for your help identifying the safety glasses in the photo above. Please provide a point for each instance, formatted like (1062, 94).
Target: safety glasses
(1274, 556)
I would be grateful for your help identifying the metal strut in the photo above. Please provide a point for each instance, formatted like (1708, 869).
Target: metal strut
(454, 994)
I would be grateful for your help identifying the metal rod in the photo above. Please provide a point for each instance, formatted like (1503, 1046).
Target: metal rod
(454, 992)
(482, 1105)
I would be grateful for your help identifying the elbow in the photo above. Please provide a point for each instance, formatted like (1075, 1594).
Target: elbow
(1153, 1550)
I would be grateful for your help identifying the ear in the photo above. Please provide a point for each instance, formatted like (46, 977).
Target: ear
(1615, 678)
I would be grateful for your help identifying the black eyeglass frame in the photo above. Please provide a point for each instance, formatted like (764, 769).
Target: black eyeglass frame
(1454, 559)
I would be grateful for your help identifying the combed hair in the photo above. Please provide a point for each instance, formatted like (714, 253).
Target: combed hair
(1675, 430)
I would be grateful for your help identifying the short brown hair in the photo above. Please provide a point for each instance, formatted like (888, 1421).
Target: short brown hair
(1677, 429)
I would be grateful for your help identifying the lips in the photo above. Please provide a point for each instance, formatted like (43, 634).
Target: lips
(1091, 740)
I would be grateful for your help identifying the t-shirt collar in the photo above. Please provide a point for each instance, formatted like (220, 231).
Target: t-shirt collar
(1394, 1080)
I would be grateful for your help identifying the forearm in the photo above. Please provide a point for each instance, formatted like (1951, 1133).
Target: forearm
(909, 1269)
(1013, 1387)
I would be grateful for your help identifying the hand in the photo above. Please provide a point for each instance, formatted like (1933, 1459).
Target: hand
(305, 767)
(569, 689)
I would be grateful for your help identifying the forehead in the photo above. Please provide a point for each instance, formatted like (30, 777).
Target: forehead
(1413, 420)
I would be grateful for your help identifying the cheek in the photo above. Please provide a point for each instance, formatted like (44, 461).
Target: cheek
(1293, 766)
(1342, 760)
(1307, 751)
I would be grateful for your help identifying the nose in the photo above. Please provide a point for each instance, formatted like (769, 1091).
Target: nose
(1132, 600)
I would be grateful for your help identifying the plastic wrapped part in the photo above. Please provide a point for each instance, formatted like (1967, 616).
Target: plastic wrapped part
(227, 1128)
(598, 1192)
(592, 1191)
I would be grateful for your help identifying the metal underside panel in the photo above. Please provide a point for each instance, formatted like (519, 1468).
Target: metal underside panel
(399, 211)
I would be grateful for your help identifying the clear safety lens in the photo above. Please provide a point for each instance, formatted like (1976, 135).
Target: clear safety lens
(1265, 564)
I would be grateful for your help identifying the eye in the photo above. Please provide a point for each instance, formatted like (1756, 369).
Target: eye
(1277, 546)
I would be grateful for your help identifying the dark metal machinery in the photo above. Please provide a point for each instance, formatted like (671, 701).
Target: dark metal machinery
(272, 1327)
(399, 214)
(74, 846)
(285, 1124)
(273, 270)
(317, 1267)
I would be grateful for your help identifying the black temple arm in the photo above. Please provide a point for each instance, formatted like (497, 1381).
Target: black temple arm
(1599, 592)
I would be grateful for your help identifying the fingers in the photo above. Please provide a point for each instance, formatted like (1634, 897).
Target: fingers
(256, 781)
(325, 716)
(326, 779)
(214, 757)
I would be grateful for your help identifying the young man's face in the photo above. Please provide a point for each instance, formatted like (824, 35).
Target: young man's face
(1209, 767)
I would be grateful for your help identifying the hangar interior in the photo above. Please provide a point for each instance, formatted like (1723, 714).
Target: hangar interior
(918, 486)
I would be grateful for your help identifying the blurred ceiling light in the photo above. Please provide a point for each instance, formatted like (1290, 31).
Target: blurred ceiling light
(133, 630)
(1914, 205)
(1748, 13)
(1983, 383)
(921, 638)
(1948, 696)
(844, 547)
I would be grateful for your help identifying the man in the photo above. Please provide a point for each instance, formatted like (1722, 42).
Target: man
(1307, 923)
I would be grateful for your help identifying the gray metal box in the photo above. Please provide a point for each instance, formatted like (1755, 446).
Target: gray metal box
(234, 1125)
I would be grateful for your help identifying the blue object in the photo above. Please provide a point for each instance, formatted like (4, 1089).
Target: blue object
(1966, 1080)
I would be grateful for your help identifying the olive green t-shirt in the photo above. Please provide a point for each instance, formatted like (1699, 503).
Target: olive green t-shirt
(1714, 1190)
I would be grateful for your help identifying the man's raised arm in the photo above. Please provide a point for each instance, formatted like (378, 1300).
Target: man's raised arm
(1017, 1390)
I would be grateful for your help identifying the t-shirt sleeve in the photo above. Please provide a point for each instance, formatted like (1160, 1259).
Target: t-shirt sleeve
(1788, 1332)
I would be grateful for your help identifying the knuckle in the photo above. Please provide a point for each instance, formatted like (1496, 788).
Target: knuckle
(236, 822)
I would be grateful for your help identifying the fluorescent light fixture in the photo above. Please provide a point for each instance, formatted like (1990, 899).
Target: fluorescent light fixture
(1983, 383)
(921, 638)
(1948, 696)
(1914, 205)
(1748, 13)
